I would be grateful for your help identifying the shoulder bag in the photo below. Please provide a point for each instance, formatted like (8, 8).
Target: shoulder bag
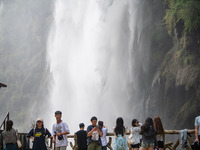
(131, 139)
(19, 144)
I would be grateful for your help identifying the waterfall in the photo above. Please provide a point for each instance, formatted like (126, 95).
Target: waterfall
(93, 51)
(1, 6)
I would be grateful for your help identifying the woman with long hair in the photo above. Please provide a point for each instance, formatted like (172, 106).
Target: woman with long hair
(160, 133)
(10, 136)
(120, 135)
(148, 135)
(39, 134)
(135, 132)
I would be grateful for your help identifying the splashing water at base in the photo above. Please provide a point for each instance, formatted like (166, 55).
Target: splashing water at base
(91, 58)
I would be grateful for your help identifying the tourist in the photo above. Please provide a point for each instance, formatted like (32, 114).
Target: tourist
(60, 131)
(39, 134)
(135, 134)
(120, 135)
(103, 138)
(81, 137)
(148, 135)
(159, 132)
(10, 136)
(94, 133)
(197, 130)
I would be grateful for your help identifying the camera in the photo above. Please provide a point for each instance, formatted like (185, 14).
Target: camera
(60, 137)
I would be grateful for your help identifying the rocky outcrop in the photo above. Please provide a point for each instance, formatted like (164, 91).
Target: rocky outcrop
(175, 86)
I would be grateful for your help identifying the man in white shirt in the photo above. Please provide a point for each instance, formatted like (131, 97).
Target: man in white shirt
(60, 130)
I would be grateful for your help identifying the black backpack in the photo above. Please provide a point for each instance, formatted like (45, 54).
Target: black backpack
(195, 146)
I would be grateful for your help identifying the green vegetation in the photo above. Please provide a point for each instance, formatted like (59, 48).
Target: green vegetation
(177, 62)
(186, 11)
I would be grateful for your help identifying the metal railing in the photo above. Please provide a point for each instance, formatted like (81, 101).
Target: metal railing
(26, 142)
(171, 146)
(4, 121)
(167, 145)
(4, 127)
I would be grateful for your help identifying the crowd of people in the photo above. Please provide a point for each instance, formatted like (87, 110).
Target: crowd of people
(147, 136)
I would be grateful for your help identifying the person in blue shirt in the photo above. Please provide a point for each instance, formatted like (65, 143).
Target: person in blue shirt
(197, 131)
(39, 135)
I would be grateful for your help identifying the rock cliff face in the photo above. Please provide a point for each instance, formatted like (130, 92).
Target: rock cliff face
(169, 83)
(174, 87)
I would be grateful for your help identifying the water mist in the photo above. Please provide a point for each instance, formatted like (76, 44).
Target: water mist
(93, 52)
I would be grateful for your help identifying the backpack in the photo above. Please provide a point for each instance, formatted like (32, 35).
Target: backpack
(120, 143)
(195, 146)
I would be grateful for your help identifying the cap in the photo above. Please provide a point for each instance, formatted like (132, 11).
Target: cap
(39, 119)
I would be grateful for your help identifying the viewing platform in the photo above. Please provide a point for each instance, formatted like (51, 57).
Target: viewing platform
(73, 145)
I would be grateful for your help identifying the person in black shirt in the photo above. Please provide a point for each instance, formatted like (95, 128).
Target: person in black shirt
(81, 137)
(39, 135)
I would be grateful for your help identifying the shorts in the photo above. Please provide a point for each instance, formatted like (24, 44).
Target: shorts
(61, 148)
(160, 144)
(147, 145)
(135, 145)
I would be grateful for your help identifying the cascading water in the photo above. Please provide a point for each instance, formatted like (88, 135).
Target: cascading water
(1, 6)
(92, 53)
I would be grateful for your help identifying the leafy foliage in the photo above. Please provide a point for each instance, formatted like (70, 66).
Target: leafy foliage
(187, 11)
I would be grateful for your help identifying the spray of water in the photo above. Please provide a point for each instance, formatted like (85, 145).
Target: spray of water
(91, 52)
(1, 6)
